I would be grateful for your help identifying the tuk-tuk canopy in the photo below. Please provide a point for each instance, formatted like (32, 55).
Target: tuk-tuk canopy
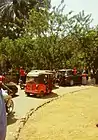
(63, 70)
(36, 73)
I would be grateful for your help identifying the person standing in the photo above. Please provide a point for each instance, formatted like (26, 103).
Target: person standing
(84, 76)
(92, 75)
(17, 76)
(22, 75)
(74, 71)
(86, 70)
(3, 118)
(2, 78)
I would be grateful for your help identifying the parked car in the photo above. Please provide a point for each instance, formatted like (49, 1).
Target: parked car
(67, 77)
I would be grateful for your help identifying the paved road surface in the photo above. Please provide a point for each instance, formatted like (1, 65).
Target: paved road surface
(23, 104)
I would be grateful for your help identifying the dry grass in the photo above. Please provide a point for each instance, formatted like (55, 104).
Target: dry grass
(73, 117)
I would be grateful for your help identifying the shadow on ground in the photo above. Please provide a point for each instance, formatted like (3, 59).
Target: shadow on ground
(55, 87)
(15, 96)
(11, 119)
(51, 95)
(96, 85)
(80, 85)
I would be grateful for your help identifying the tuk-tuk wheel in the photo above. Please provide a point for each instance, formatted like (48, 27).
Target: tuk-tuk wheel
(41, 94)
(28, 94)
(71, 83)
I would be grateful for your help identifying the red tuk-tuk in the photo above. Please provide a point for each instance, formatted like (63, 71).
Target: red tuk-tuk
(39, 83)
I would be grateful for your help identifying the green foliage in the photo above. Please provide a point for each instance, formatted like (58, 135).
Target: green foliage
(14, 15)
(50, 40)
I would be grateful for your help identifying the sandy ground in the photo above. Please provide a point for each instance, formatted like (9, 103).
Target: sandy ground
(23, 104)
(73, 117)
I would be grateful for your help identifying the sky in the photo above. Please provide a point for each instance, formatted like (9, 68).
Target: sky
(89, 6)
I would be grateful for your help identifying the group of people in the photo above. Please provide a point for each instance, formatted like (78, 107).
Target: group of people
(92, 73)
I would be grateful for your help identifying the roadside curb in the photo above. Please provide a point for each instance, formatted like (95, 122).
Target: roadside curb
(24, 119)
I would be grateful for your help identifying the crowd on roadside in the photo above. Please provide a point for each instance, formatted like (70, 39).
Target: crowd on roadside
(91, 75)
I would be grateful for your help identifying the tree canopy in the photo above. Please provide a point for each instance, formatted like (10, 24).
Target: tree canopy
(14, 15)
(49, 39)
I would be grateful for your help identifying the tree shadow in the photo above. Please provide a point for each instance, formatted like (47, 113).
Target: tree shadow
(55, 87)
(46, 96)
(95, 85)
(50, 95)
(11, 118)
(76, 85)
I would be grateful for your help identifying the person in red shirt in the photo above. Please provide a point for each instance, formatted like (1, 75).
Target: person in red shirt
(2, 78)
(22, 75)
(74, 71)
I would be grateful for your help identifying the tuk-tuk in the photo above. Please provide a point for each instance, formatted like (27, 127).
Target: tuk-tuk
(39, 83)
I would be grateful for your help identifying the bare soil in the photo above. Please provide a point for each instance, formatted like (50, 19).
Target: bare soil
(73, 117)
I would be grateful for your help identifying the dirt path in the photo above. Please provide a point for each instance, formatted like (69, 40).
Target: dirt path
(72, 117)
(23, 104)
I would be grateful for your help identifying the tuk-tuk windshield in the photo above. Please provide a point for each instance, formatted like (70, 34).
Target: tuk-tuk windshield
(29, 78)
(37, 80)
(61, 73)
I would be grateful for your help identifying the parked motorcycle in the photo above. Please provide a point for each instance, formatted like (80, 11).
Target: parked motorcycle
(9, 104)
(11, 88)
(21, 84)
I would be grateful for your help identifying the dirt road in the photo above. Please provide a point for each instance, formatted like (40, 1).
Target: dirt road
(23, 104)
(72, 117)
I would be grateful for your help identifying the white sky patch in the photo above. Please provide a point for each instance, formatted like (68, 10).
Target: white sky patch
(89, 6)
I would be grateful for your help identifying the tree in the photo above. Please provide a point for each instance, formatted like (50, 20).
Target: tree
(79, 27)
(19, 8)
(14, 15)
(53, 40)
